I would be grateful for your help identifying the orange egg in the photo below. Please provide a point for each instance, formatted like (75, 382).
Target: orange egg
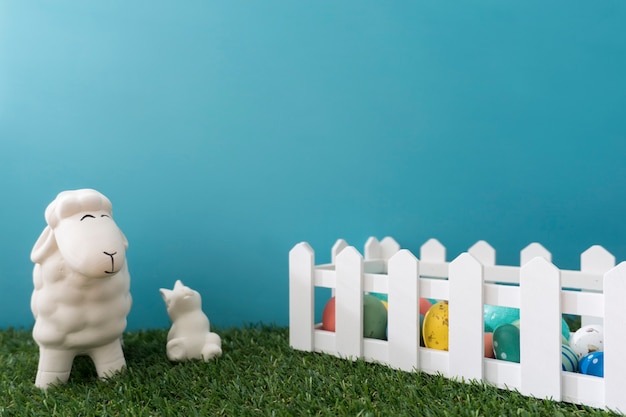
(489, 345)
(328, 316)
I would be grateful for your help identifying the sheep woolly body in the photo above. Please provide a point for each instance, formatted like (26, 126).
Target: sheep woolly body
(81, 292)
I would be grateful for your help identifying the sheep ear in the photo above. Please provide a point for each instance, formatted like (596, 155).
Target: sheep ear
(44, 247)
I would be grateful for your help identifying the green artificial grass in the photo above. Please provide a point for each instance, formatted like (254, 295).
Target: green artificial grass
(258, 374)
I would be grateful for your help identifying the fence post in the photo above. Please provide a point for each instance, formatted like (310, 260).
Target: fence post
(388, 247)
(372, 249)
(404, 322)
(484, 252)
(596, 260)
(540, 329)
(349, 303)
(339, 245)
(466, 318)
(301, 297)
(532, 251)
(615, 338)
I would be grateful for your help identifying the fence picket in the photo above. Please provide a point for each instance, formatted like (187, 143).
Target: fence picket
(615, 338)
(540, 329)
(403, 317)
(301, 297)
(532, 251)
(596, 260)
(433, 251)
(349, 303)
(484, 252)
(388, 247)
(372, 249)
(471, 282)
(466, 318)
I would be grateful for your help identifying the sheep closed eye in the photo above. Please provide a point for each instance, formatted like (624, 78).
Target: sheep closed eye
(85, 216)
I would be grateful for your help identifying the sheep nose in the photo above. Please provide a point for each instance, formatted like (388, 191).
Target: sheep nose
(112, 262)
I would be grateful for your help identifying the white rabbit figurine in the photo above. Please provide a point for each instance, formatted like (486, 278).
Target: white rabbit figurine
(190, 336)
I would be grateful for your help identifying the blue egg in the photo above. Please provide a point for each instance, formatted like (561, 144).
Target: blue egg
(592, 364)
(565, 332)
(495, 316)
(569, 360)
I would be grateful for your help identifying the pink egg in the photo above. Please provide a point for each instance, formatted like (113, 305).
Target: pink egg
(425, 304)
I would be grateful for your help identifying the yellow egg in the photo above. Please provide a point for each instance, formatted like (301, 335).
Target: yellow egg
(435, 328)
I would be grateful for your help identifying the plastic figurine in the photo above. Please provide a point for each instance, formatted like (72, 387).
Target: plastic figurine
(190, 336)
(81, 297)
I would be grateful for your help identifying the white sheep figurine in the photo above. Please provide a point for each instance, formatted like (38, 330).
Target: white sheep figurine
(82, 287)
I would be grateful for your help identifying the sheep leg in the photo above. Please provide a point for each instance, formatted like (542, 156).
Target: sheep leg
(54, 367)
(108, 359)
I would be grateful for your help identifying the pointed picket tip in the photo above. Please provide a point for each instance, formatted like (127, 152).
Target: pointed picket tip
(349, 252)
(339, 245)
(615, 277)
(301, 248)
(539, 268)
(372, 248)
(389, 247)
(433, 251)
(484, 252)
(466, 261)
(532, 251)
(403, 256)
(597, 260)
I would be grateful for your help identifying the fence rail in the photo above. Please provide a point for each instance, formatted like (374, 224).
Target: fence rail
(542, 292)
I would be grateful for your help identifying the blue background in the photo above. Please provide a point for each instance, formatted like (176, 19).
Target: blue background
(225, 132)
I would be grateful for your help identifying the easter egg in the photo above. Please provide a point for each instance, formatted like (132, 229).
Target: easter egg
(425, 305)
(569, 360)
(506, 342)
(422, 333)
(488, 345)
(374, 318)
(565, 332)
(435, 328)
(380, 296)
(494, 316)
(328, 316)
(587, 339)
(592, 364)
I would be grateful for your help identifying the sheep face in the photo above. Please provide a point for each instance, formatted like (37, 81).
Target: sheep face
(91, 243)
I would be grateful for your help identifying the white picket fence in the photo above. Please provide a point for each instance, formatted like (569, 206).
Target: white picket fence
(473, 279)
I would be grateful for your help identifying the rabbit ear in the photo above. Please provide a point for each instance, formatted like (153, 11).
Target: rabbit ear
(165, 294)
(44, 247)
